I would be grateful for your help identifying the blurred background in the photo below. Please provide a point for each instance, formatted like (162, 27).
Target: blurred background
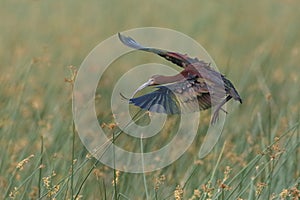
(256, 44)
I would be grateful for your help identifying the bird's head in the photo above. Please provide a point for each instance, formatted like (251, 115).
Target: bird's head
(150, 82)
(159, 80)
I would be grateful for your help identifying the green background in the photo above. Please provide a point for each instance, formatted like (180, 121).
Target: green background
(256, 44)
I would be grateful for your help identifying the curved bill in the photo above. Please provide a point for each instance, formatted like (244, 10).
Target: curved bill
(148, 83)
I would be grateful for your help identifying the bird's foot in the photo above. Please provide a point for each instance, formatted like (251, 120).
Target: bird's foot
(224, 110)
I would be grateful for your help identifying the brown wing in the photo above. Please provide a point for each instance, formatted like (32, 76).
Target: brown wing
(193, 66)
(181, 60)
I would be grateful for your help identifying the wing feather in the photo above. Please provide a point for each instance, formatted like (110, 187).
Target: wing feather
(181, 60)
(170, 100)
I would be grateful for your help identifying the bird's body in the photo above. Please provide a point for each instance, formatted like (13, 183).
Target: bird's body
(197, 87)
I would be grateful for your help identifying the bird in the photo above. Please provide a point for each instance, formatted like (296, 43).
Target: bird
(197, 87)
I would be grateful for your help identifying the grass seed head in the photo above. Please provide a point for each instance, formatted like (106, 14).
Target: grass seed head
(159, 181)
(20, 165)
(178, 193)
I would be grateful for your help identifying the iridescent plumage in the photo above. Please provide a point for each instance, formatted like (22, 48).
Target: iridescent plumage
(197, 87)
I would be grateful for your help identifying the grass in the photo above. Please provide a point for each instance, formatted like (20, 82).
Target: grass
(255, 44)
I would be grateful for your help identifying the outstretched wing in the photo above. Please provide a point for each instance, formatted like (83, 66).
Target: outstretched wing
(207, 87)
(180, 97)
(181, 60)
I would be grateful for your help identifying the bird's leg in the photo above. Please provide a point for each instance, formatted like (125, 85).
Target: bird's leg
(219, 107)
(224, 110)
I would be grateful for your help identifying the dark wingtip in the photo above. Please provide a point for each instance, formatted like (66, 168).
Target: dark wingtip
(158, 101)
(122, 38)
(128, 41)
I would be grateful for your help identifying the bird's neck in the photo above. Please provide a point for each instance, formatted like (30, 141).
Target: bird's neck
(169, 79)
